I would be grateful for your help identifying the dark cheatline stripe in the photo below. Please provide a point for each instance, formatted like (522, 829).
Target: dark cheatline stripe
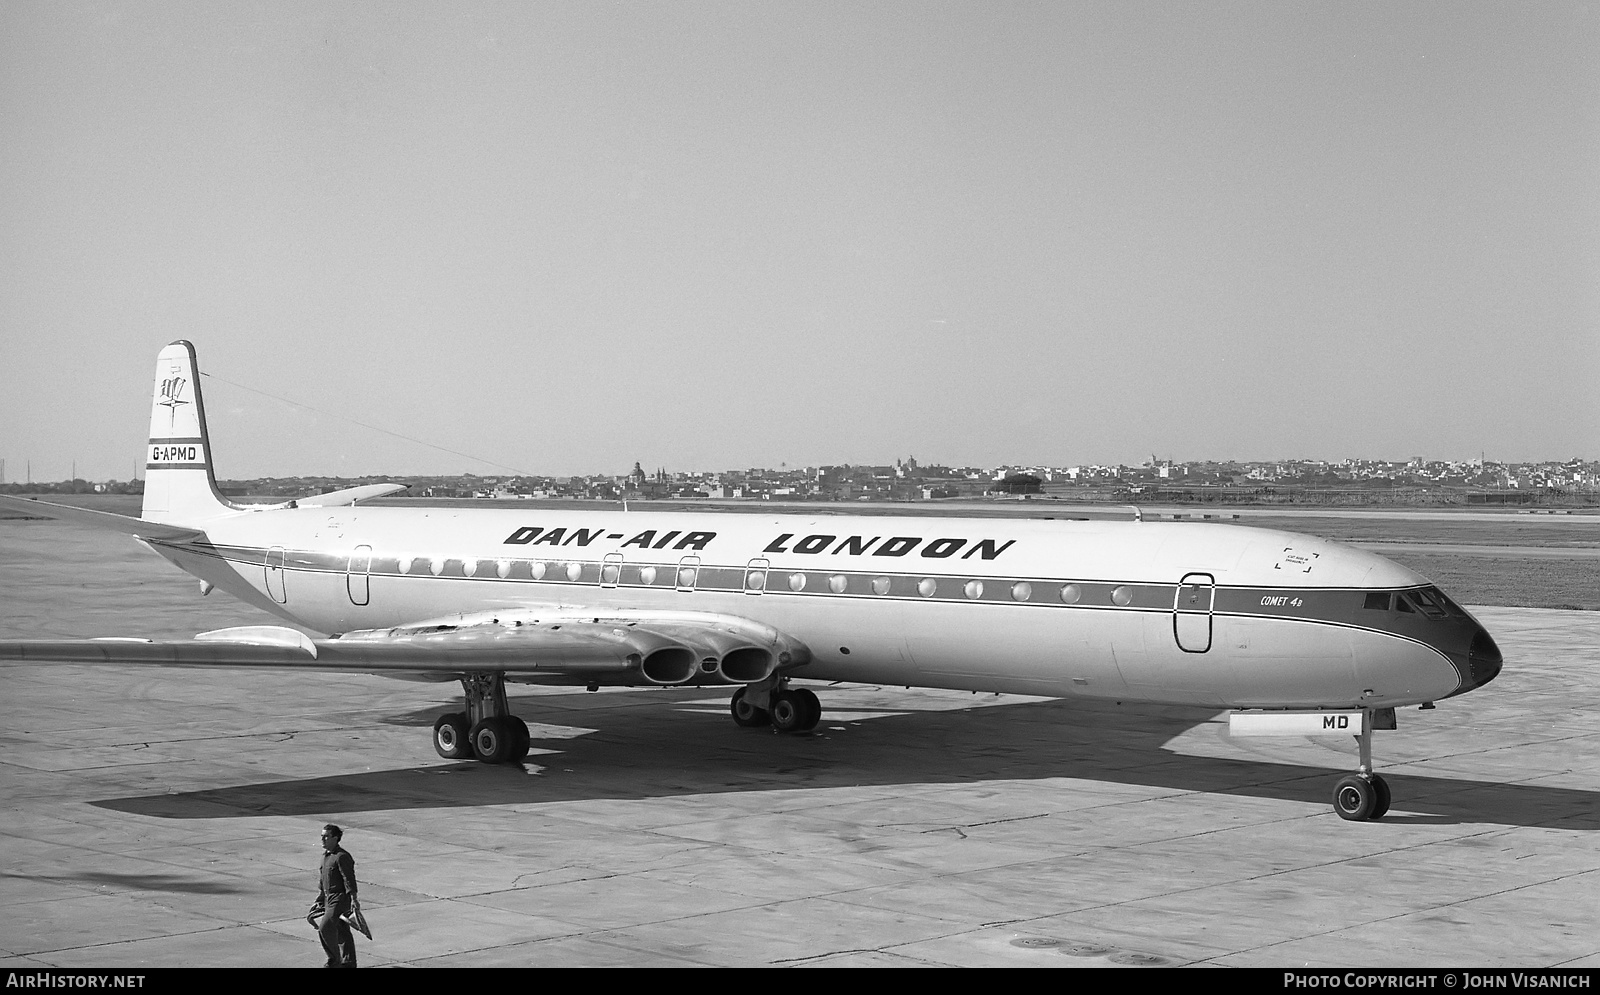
(1335, 606)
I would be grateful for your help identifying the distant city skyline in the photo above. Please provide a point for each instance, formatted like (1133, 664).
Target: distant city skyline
(563, 237)
(1176, 463)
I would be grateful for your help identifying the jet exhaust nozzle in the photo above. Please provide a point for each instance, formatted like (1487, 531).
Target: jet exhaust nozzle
(670, 665)
(747, 665)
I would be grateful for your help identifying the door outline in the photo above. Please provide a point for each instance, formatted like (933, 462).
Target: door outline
(761, 566)
(1191, 623)
(357, 574)
(612, 563)
(275, 570)
(687, 563)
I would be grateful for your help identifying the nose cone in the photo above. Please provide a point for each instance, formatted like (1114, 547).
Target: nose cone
(1481, 663)
(1425, 615)
(1470, 650)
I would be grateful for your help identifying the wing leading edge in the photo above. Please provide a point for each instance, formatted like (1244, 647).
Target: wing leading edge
(685, 648)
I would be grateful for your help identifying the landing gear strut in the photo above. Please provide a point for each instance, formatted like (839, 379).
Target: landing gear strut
(487, 730)
(1357, 797)
(772, 702)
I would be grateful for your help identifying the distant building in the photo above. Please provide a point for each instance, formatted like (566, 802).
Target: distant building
(1019, 483)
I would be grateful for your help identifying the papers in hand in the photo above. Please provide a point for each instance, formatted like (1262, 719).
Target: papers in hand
(355, 920)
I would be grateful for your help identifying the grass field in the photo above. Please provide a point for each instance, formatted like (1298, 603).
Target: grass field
(1507, 530)
(1510, 581)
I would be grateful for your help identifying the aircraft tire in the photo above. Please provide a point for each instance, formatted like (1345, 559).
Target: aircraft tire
(748, 716)
(450, 739)
(1355, 798)
(520, 739)
(1382, 805)
(813, 708)
(789, 711)
(491, 740)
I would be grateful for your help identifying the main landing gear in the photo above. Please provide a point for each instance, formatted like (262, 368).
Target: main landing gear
(783, 708)
(486, 731)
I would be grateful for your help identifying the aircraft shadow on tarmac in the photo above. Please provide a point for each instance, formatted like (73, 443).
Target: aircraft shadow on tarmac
(138, 882)
(657, 744)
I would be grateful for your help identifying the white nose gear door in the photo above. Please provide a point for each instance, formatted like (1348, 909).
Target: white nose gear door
(1191, 612)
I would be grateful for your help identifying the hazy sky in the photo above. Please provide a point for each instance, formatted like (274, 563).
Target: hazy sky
(563, 237)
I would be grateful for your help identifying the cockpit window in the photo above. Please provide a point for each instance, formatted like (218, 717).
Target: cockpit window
(1449, 606)
(1401, 603)
(1427, 601)
(1377, 601)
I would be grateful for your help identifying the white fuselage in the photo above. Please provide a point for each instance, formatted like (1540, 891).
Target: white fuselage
(1173, 612)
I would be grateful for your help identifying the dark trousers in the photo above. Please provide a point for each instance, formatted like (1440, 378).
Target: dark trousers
(337, 939)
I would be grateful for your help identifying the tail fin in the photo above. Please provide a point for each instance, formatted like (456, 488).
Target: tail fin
(179, 486)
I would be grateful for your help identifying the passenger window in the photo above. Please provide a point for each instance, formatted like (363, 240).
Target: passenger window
(1377, 601)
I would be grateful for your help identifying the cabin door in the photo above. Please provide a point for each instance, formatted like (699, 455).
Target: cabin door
(1191, 612)
(356, 573)
(755, 575)
(275, 572)
(611, 570)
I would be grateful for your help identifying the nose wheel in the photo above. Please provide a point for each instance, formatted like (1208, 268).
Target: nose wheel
(1361, 797)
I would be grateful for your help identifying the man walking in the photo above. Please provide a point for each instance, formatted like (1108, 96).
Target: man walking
(335, 899)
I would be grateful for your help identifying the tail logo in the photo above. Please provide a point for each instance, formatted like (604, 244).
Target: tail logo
(171, 397)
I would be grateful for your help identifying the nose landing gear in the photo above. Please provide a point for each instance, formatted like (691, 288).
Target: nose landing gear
(1361, 797)
(1358, 797)
(1364, 795)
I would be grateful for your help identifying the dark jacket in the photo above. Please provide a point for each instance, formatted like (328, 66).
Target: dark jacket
(338, 880)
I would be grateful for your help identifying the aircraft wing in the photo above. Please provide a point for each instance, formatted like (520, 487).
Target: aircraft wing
(678, 648)
(97, 519)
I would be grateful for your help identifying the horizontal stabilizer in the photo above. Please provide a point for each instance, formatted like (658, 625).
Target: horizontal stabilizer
(98, 519)
(336, 499)
(350, 495)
